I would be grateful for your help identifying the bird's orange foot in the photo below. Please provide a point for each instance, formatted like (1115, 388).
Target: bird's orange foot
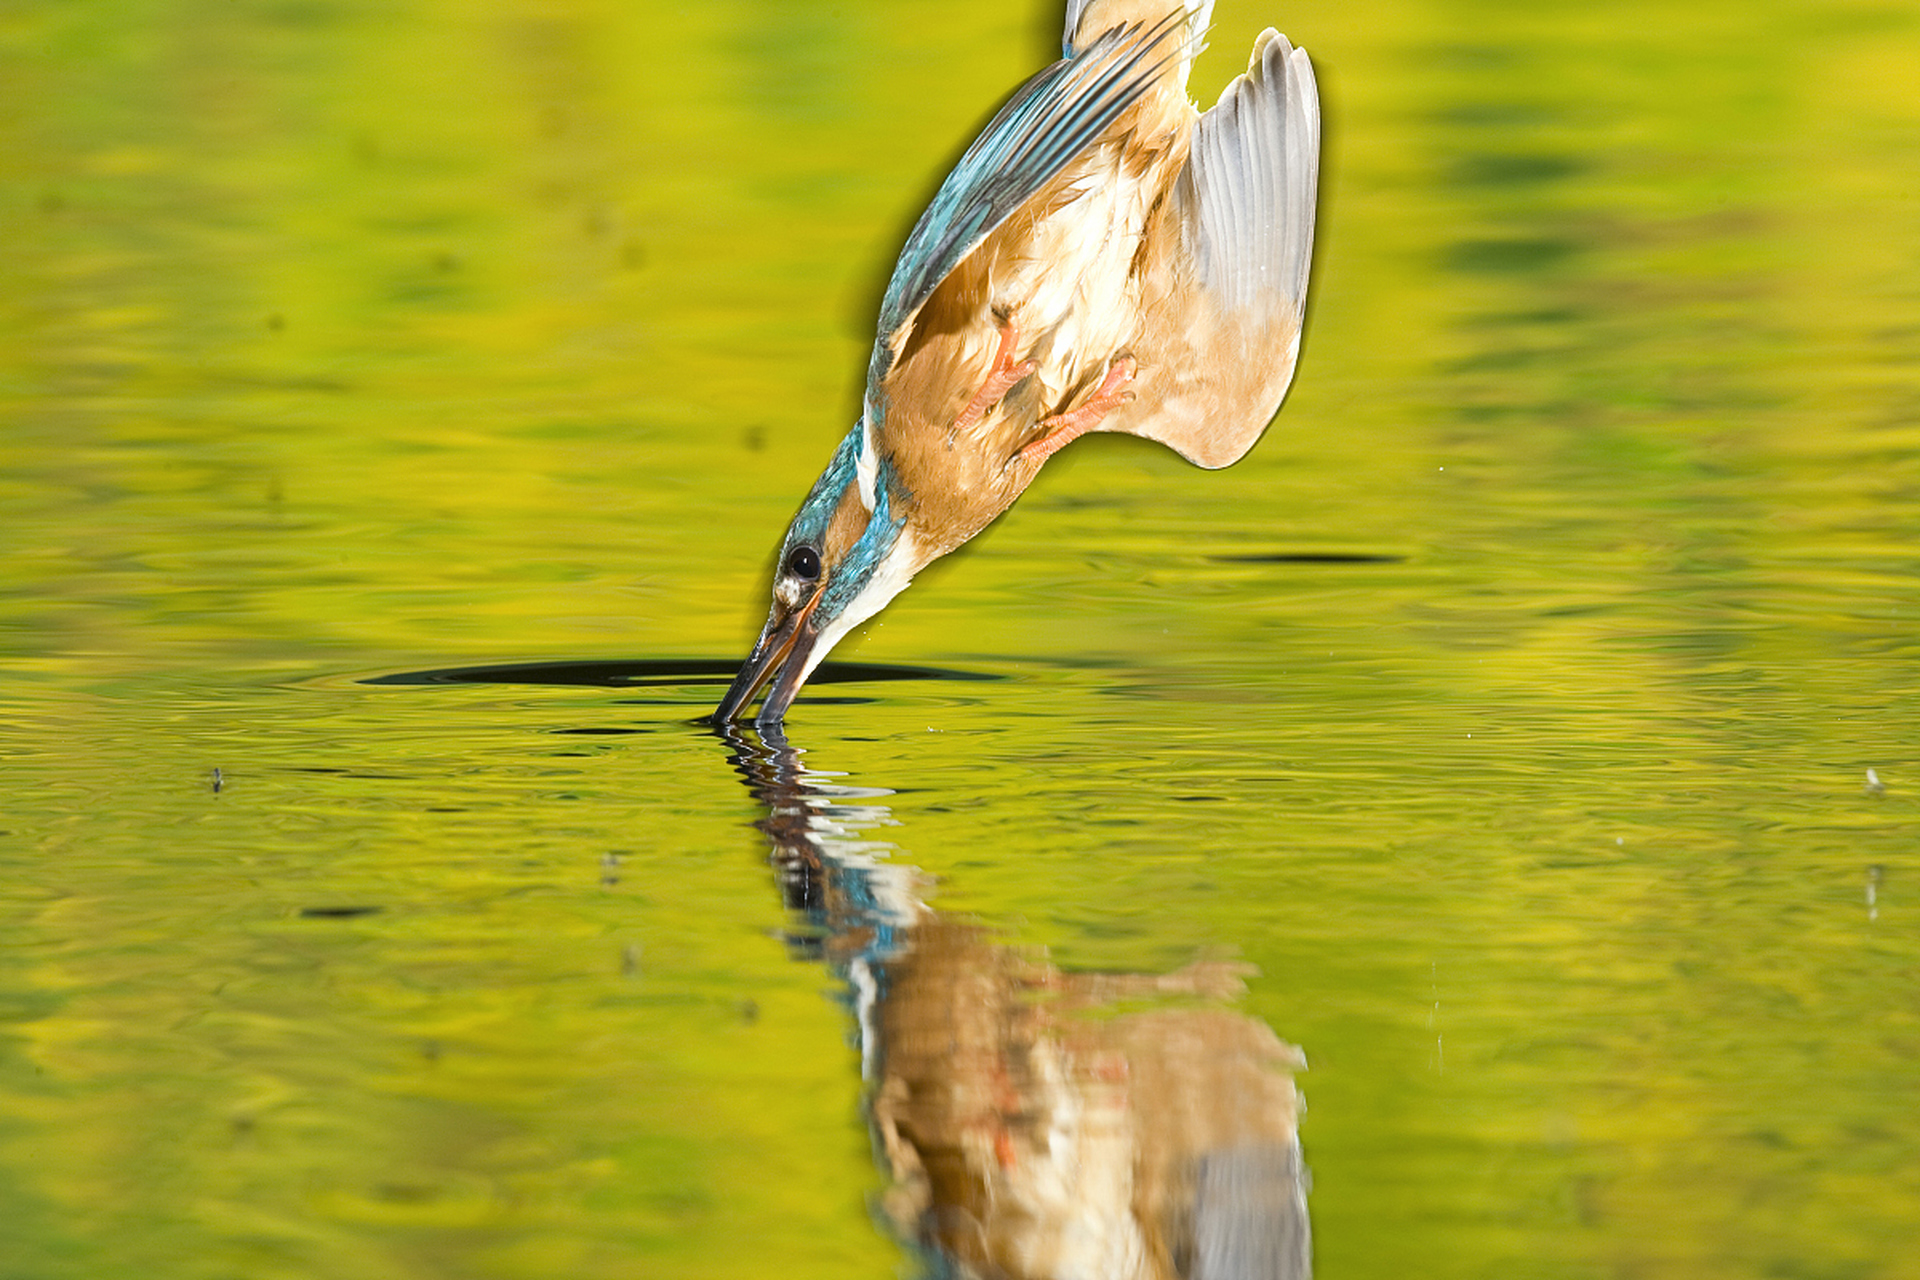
(1064, 428)
(1000, 379)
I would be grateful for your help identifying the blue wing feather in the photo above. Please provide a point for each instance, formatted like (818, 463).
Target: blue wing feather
(1053, 118)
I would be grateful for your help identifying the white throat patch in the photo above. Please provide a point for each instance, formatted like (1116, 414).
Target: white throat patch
(888, 581)
(866, 468)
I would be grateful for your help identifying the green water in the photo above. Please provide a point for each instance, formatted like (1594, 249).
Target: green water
(1510, 707)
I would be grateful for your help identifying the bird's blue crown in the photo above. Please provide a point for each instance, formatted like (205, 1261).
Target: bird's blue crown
(846, 579)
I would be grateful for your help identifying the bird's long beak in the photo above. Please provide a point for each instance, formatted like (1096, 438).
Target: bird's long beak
(783, 648)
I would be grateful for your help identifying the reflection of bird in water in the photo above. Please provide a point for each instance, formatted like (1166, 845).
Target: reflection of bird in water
(1103, 258)
(1029, 1129)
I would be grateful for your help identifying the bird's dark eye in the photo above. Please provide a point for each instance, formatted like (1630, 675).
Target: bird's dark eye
(804, 562)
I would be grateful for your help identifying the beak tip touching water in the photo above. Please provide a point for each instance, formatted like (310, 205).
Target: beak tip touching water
(754, 673)
(782, 656)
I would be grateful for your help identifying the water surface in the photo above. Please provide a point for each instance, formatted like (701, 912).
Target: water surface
(1508, 712)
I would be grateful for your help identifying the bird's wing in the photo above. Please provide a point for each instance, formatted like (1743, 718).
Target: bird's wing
(1053, 118)
(1224, 301)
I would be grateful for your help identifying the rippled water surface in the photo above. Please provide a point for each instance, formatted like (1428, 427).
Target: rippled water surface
(400, 406)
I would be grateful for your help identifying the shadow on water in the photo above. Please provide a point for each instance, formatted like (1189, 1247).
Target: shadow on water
(1031, 1121)
(659, 671)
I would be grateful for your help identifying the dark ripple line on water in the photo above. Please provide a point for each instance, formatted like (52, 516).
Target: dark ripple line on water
(658, 671)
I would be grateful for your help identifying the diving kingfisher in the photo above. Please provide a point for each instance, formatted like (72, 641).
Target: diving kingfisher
(1104, 257)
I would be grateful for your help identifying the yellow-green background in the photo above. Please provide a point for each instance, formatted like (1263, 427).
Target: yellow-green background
(343, 339)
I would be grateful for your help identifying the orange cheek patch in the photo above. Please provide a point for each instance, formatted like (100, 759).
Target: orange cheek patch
(848, 523)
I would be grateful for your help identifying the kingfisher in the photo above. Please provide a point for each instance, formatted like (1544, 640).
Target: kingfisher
(1104, 257)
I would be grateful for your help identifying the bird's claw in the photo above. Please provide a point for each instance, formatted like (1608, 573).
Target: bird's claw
(1063, 429)
(1001, 378)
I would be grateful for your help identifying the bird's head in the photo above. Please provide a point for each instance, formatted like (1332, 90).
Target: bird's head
(846, 554)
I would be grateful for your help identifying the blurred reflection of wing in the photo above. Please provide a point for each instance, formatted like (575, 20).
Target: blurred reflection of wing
(1030, 1130)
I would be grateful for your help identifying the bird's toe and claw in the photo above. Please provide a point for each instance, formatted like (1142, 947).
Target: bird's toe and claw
(1001, 378)
(1063, 429)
